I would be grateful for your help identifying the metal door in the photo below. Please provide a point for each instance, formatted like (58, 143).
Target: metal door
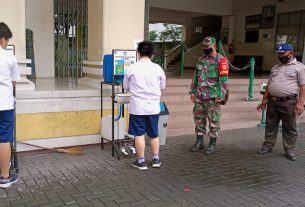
(71, 35)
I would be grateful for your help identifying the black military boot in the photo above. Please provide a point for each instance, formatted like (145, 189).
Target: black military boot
(199, 144)
(212, 146)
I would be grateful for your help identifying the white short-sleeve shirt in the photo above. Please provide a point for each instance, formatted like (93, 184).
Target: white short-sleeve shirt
(285, 79)
(144, 81)
(9, 72)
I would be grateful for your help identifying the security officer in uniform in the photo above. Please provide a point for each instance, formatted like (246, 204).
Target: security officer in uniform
(208, 89)
(284, 98)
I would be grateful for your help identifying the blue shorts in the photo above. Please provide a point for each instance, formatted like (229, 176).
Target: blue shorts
(141, 124)
(7, 126)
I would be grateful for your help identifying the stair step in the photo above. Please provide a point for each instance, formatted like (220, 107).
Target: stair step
(245, 105)
(179, 99)
(186, 89)
(224, 126)
(235, 81)
(238, 113)
(184, 121)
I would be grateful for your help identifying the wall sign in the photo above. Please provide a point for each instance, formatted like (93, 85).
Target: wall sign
(122, 59)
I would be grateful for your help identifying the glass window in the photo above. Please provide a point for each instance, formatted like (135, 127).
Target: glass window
(291, 29)
(283, 20)
(294, 19)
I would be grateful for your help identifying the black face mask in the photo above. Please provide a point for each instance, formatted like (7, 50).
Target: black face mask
(208, 51)
(284, 59)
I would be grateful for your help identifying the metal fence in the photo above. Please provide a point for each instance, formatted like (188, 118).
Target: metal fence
(71, 35)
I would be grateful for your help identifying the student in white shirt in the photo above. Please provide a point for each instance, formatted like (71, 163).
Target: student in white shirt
(144, 81)
(9, 74)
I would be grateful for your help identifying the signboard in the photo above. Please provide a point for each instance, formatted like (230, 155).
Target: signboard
(122, 59)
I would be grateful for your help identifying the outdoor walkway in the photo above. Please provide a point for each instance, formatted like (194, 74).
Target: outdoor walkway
(234, 176)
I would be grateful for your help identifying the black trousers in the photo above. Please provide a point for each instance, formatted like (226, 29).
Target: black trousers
(284, 111)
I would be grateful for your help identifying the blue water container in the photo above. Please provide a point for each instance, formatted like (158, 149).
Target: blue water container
(163, 109)
(108, 70)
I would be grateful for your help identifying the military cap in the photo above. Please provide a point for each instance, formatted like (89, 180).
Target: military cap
(207, 41)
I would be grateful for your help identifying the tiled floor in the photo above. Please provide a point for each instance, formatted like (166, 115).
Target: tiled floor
(234, 176)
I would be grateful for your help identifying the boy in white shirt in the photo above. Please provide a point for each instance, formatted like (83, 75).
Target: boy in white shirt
(144, 81)
(9, 74)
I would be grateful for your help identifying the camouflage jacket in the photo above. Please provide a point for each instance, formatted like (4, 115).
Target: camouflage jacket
(210, 79)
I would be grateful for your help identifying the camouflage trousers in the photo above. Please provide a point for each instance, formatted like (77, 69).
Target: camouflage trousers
(207, 110)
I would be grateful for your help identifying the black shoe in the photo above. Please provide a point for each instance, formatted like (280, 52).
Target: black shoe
(140, 166)
(291, 157)
(198, 145)
(264, 151)
(212, 147)
(155, 163)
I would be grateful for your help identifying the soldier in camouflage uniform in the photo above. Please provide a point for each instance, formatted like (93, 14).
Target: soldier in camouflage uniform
(208, 90)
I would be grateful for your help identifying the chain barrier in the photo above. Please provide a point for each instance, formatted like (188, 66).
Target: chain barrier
(232, 67)
(189, 51)
(168, 53)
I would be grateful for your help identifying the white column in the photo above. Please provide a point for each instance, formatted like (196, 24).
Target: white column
(123, 22)
(92, 67)
(8, 14)
(112, 24)
(39, 17)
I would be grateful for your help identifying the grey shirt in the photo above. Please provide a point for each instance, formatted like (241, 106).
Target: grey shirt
(285, 79)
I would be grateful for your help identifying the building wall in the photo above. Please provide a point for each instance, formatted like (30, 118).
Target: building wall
(95, 28)
(123, 22)
(13, 14)
(213, 7)
(211, 26)
(265, 46)
(40, 19)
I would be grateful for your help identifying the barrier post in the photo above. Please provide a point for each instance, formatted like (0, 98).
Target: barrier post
(182, 60)
(165, 61)
(220, 50)
(250, 91)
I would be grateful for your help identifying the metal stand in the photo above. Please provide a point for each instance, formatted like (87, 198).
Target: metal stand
(122, 142)
(14, 159)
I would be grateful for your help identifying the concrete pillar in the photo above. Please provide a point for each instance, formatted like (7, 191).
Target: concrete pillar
(40, 19)
(146, 21)
(123, 22)
(92, 67)
(8, 14)
(95, 28)
(112, 24)
(228, 22)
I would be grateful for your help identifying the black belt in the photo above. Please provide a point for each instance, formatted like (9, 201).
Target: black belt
(283, 99)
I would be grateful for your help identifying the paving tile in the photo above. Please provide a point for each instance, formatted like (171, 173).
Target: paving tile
(234, 176)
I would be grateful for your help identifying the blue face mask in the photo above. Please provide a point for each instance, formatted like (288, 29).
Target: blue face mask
(208, 51)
